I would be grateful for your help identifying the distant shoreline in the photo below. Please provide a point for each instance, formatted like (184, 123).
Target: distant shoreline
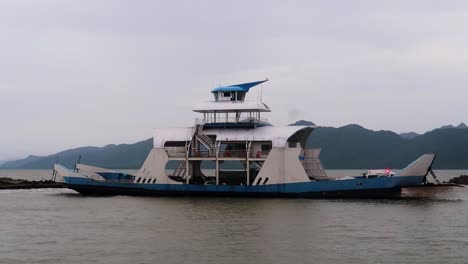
(9, 184)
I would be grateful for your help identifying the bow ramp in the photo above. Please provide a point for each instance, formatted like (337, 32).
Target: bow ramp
(82, 170)
(420, 167)
(63, 171)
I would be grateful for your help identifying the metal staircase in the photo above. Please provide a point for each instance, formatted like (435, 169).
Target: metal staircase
(204, 139)
(180, 169)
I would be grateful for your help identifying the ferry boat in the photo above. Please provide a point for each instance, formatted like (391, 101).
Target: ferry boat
(248, 157)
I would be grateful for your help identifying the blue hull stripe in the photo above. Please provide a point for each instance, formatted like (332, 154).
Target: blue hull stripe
(354, 185)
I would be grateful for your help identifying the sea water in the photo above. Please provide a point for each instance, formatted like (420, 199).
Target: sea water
(61, 226)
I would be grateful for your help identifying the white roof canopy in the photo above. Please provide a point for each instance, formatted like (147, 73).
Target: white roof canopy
(277, 135)
(164, 135)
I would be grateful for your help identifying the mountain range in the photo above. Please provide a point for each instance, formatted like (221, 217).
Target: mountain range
(354, 147)
(411, 135)
(123, 156)
(461, 125)
(347, 147)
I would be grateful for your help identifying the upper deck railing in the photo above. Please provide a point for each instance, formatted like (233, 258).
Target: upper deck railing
(174, 152)
(230, 120)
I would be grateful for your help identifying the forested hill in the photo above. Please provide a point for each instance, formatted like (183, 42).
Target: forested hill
(123, 156)
(347, 147)
(354, 147)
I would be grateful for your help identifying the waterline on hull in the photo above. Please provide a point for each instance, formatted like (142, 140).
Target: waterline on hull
(383, 187)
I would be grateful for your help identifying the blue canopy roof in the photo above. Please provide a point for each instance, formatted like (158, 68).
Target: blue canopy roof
(243, 87)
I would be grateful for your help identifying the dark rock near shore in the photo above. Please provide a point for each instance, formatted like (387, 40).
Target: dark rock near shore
(9, 183)
(462, 179)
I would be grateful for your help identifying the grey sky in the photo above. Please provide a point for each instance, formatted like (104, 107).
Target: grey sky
(76, 73)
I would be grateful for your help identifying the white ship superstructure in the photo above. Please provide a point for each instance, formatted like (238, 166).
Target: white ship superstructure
(232, 131)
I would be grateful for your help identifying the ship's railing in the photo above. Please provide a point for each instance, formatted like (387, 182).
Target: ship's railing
(180, 152)
(175, 152)
(231, 154)
(230, 120)
(203, 154)
(222, 154)
(259, 154)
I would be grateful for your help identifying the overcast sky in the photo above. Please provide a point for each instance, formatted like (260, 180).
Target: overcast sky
(77, 73)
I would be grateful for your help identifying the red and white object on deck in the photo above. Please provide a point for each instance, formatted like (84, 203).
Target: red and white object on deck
(378, 173)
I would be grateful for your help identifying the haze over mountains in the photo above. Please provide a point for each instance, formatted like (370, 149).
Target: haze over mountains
(347, 147)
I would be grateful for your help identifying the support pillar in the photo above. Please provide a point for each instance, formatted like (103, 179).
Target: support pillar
(247, 161)
(187, 154)
(217, 147)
